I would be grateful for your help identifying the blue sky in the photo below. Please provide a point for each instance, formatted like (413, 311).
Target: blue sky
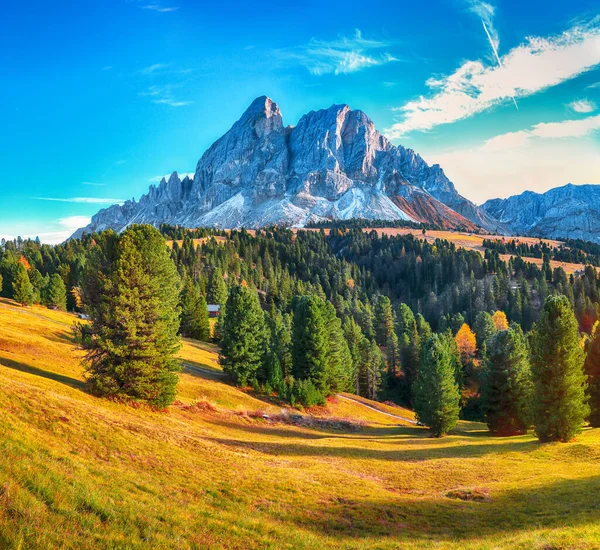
(99, 98)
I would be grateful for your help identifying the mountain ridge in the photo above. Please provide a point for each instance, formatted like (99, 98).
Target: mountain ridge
(333, 164)
(568, 211)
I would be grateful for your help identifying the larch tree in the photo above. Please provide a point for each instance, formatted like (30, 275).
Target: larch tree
(506, 386)
(557, 360)
(245, 336)
(131, 291)
(436, 393)
(500, 320)
(467, 344)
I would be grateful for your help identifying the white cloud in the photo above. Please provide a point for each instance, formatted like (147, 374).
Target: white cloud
(171, 102)
(82, 200)
(572, 129)
(153, 68)
(547, 155)
(54, 232)
(593, 86)
(92, 184)
(74, 222)
(340, 56)
(163, 95)
(582, 106)
(536, 65)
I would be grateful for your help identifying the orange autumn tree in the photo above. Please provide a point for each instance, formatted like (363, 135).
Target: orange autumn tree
(467, 343)
(500, 320)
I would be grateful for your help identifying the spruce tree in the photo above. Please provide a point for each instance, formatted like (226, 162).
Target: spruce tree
(383, 319)
(202, 320)
(279, 356)
(557, 360)
(410, 344)
(436, 394)
(310, 341)
(371, 369)
(592, 370)
(506, 388)
(243, 346)
(339, 369)
(354, 338)
(131, 291)
(22, 287)
(217, 288)
(57, 293)
(194, 312)
(484, 328)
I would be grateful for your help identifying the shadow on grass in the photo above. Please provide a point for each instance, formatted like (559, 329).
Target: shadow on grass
(273, 430)
(453, 448)
(308, 432)
(565, 503)
(201, 370)
(61, 338)
(30, 369)
(204, 346)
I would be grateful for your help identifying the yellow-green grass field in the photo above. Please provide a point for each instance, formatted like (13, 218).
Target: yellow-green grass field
(80, 472)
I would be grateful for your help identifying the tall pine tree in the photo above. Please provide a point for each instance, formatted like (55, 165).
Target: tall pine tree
(592, 370)
(436, 394)
(243, 346)
(557, 359)
(506, 388)
(310, 341)
(194, 312)
(22, 287)
(131, 291)
(57, 293)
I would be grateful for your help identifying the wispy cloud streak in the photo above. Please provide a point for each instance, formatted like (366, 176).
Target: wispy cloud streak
(343, 55)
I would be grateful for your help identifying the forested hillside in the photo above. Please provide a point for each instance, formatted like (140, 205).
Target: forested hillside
(367, 304)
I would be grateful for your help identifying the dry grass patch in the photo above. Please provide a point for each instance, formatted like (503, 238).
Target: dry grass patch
(78, 472)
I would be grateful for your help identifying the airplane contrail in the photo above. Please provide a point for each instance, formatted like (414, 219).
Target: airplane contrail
(496, 54)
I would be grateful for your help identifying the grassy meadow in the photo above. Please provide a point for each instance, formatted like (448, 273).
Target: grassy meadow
(80, 472)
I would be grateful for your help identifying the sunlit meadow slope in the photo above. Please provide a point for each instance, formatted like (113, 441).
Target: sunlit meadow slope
(81, 472)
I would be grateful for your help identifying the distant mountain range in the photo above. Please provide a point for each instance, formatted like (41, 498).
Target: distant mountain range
(333, 164)
(571, 211)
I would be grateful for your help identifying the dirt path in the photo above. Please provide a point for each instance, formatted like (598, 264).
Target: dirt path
(410, 421)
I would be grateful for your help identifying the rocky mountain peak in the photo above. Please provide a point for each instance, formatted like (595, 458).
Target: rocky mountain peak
(332, 164)
(263, 116)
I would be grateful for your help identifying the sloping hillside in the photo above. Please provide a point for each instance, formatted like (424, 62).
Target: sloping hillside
(81, 472)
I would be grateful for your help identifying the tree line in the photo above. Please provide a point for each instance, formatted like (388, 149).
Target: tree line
(307, 315)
